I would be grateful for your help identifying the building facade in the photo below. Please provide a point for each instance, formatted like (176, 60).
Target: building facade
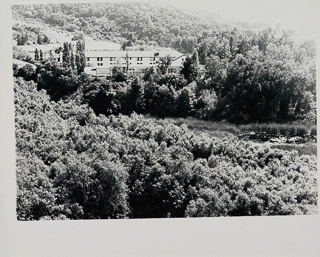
(101, 63)
(102, 57)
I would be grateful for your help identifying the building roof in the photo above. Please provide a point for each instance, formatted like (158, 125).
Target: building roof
(122, 54)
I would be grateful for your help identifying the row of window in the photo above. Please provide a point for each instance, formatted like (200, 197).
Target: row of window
(132, 70)
(101, 64)
(100, 59)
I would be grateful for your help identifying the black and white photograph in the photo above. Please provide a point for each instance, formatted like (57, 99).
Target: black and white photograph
(143, 110)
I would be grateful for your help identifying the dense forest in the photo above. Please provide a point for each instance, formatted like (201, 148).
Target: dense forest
(276, 86)
(87, 149)
(141, 23)
(74, 164)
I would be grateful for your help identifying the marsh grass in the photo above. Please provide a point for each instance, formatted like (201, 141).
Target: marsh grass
(267, 130)
(305, 149)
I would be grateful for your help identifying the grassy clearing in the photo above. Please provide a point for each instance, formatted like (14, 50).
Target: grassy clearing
(293, 129)
(225, 129)
(305, 149)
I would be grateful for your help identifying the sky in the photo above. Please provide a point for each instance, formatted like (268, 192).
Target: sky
(302, 16)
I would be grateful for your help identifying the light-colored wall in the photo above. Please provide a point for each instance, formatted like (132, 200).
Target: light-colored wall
(133, 61)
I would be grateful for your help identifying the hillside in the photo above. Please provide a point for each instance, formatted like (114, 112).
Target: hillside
(141, 23)
(87, 149)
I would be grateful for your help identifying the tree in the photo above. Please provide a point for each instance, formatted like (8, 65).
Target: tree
(150, 74)
(127, 61)
(22, 39)
(45, 40)
(80, 55)
(72, 59)
(190, 67)
(41, 55)
(36, 55)
(118, 75)
(58, 80)
(164, 63)
(39, 41)
(126, 44)
(15, 70)
(66, 53)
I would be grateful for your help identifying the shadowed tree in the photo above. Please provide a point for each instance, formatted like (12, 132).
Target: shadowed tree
(36, 55)
(41, 55)
(80, 55)
(190, 67)
(66, 53)
(164, 63)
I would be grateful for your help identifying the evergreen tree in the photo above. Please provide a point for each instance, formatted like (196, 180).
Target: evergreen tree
(190, 67)
(36, 55)
(41, 55)
(80, 55)
(72, 59)
(127, 62)
(39, 39)
(66, 53)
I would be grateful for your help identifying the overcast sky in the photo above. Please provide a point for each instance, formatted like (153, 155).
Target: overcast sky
(301, 16)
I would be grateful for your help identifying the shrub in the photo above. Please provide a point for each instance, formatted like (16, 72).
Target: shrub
(122, 166)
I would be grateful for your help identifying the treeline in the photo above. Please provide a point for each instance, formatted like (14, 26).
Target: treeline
(73, 164)
(23, 34)
(74, 58)
(248, 76)
(263, 78)
(248, 82)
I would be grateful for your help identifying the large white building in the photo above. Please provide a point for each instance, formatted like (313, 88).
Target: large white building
(52, 50)
(101, 63)
(102, 57)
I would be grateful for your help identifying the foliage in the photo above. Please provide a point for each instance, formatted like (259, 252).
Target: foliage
(305, 149)
(25, 34)
(74, 164)
(130, 22)
(264, 77)
(27, 72)
(19, 54)
(80, 57)
(248, 76)
(58, 80)
(164, 63)
(190, 67)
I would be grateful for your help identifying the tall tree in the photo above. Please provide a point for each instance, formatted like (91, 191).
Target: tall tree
(39, 39)
(127, 61)
(41, 55)
(80, 55)
(164, 64)
(190, 67)
(66, 53)
(36, 55)
(72, 59)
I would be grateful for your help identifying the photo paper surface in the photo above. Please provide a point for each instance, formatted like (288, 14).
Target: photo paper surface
(143, 110)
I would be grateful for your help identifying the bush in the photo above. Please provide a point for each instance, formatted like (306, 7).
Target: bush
(121, 166)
